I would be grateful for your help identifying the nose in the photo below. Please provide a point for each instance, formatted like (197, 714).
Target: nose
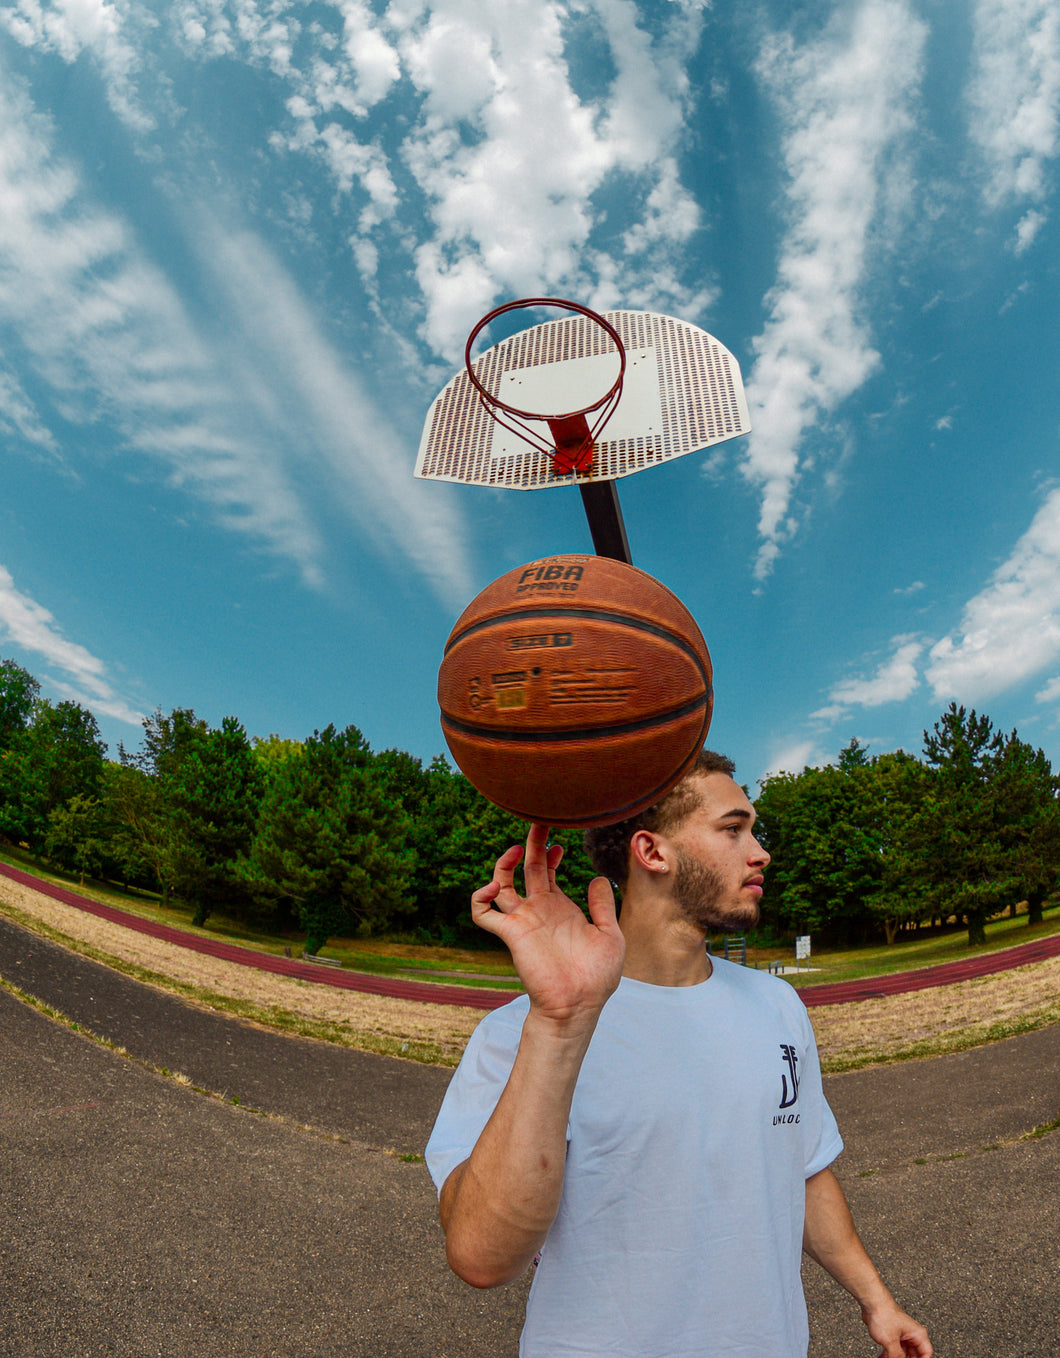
(759, 855)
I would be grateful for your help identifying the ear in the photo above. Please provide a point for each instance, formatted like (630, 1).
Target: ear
(646, 850)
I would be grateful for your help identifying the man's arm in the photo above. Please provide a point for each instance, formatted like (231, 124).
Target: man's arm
(498, 1206)
(832, 1240)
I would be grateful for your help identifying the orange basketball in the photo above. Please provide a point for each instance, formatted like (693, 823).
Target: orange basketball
(575, 691)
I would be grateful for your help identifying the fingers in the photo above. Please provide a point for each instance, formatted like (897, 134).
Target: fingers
(910, 1340)
(536, 863)
(601, 902)
(500, 890)
(504, 871)
(540, 865)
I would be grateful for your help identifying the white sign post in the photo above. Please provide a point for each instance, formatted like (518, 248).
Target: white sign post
(802, 949)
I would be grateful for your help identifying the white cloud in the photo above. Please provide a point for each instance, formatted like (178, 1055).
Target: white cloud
(496, 174)
(793, 758)
(316, 402)
(30, 626)
(18, 415)
(348, 160)
(1010, 631)
(511, 191)
(109, 340)
(204, 26)
(1050, 693)
(895, 680)
(1014, 103)
(71, 27)
(1027, 229)
(234, 423)
(846, 103)
(510, 210)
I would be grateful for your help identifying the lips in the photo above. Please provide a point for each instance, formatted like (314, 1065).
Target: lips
(755, 884)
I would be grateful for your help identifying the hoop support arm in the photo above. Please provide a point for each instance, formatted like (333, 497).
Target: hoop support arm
(608, 529)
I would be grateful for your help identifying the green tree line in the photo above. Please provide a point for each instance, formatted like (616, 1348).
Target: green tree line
(323, 835)
(327, 837)
(870, 846)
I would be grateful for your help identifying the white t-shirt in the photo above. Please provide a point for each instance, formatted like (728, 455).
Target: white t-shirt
(697, 1118)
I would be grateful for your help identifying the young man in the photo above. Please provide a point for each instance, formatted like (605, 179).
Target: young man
(648, 1122)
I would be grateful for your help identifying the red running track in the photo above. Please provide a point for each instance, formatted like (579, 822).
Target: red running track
(283, 966)
(943, 973)
(839, 992)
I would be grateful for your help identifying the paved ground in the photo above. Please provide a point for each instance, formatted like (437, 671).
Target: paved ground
(138, 1217)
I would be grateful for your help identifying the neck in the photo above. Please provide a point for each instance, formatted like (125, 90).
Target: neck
(661, 950)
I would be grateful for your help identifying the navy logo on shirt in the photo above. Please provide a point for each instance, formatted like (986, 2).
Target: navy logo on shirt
(789, 1085)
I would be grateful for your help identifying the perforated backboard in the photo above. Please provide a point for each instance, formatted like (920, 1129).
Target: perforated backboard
(682, 392)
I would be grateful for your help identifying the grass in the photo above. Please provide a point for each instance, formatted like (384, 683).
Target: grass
(907, 1026)
(923, 948)
(385, 957)
(274, 1016)
(492, 966)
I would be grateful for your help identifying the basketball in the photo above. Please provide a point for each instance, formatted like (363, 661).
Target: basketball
(575, 691)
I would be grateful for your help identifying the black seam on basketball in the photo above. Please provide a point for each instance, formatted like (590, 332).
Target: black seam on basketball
(629, 808)
(595, 614)
(579, 733)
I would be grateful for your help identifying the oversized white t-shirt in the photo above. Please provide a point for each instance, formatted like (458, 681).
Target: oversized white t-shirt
(697, 1118)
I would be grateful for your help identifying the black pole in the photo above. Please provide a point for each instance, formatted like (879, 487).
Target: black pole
(600, 500)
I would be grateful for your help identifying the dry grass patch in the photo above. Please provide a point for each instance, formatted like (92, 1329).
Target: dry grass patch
(893, 1028)
(943, 1019)
(427, 1032)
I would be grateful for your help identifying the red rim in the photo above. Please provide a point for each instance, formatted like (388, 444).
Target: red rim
(494, 401)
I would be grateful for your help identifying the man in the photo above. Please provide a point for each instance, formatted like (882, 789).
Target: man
(648, 1122)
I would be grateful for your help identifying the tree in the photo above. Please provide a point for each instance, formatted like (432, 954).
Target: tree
(959, 849)
(77, 836)
(196, 819)
(458, 836)
(332, 839)
(839, 837)
(59, 755)
(1029, 822)
(270, 749)
(212, 799)
(19, 692)
(139, 834)
(896, 793)
(822, 830)
(149, 795)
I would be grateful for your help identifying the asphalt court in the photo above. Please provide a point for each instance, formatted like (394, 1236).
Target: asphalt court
(140, 1217)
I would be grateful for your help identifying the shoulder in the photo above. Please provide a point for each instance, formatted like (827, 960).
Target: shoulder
(772, 992)
(500, 1029)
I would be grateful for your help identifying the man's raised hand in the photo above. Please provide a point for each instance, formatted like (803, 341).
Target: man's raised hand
(569, 965)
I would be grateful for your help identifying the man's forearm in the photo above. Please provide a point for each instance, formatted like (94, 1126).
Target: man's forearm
(831, 1238)
(499, 1205)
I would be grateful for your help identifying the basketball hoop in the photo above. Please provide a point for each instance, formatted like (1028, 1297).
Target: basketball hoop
(573, 437)
(680, 391)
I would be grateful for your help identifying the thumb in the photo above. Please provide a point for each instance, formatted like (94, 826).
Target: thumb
(601, 901)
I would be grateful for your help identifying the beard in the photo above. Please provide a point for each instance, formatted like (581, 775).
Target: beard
(698, 892)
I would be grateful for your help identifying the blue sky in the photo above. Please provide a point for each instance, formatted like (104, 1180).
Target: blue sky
(241, 245)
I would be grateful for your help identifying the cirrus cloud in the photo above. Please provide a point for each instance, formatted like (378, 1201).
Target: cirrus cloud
(1014, 104)
(32, 627)
(846, 104)
(1010, 631)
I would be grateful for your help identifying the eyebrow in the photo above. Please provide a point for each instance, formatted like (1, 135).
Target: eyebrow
(738, 814)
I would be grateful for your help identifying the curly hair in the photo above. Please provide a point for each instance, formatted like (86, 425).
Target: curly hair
(608, 845)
